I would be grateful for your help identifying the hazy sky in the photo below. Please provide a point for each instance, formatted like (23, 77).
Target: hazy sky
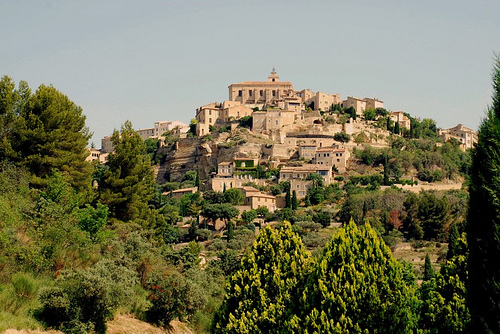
(159, 60)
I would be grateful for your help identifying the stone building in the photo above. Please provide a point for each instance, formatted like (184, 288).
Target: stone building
(301, 172)
(464, 135)
(401, 118)
(330, 156)
(357, 103)
(260, 93)
(96, 154)
(157, 131)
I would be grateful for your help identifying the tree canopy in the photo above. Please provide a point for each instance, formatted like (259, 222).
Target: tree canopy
(42, 132)
(262, 296)
(358, 287)
(127, 185)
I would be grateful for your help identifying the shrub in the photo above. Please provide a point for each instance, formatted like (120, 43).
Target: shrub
(171, 296)
(24, 286)
(83, 300)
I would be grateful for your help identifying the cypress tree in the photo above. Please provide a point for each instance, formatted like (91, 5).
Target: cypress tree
(288, 199)
(396, 128)
(483, 222)
(453, 245)
(357, 287)
(295, 204)
(230, 231)
(263, 295)
(428, 271)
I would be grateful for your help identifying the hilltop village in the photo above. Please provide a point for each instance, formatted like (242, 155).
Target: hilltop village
(268, 126)
(178, 205)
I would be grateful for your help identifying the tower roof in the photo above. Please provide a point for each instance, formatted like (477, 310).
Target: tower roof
(273, 77)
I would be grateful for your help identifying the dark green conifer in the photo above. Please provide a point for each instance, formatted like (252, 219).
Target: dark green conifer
(288, 199)
(483, 225)
(295, 204)
(428, 271)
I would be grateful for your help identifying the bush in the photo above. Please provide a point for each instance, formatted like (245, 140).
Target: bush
(339, 178)
(83, 300)
(171, 296)
(24, 286)
(203, 234)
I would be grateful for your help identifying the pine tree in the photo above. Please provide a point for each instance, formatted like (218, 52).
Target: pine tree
(263, 295)
(43, 132)
(483, 225)
(128, 182)
(357, 287)
(295, 204)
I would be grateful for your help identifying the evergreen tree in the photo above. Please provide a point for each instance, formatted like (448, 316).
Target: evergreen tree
(443, 297)
(396, 128)
(230, 231)
(411, 224)
(483, 225)
(262, 296)
(428, 271)
(42, 132)
(295, 204)
(453, 242)
(307, 200)
(288, 199)
(128, 182)
(357, 287)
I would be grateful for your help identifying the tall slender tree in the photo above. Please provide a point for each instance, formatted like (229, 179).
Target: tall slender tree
(483, 225)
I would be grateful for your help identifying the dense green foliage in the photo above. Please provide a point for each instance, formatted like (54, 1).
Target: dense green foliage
(358, 287)
(262, 295)
(81, 301)
(42, 132)
(483, 228)
(430, 161)
(443, 294)
(127, 185)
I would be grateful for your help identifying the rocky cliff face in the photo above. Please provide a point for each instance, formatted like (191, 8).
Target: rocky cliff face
(203, 156)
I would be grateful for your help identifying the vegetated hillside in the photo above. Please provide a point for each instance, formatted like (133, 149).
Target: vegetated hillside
(73, 256)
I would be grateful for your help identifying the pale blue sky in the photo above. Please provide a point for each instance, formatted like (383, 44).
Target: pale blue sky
(160, 60)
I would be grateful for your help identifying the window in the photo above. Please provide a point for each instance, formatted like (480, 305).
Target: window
(240, 93)
(209, 120)
(276, 122)
(261, 93)
(210, 112)
(274, 93)
(250, 93)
